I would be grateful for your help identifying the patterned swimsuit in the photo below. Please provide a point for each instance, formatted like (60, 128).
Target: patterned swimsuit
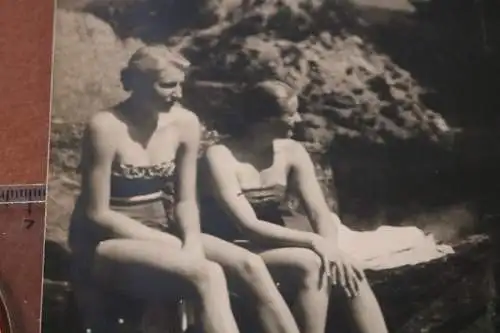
(143, 193)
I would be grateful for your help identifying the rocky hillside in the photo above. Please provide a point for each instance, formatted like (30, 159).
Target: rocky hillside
(361, 93)
(379, 121)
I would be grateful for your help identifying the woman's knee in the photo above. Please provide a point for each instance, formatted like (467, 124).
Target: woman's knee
(251, 267)
(308, 266)
(207, 274)
(308, 262)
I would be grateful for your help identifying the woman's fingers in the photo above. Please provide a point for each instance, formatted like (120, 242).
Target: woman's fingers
(360, 273)
(348, 275)
(333, 275)
(324, 271)
(345, 276)
(325, 267)
(352, 280)
(341, 274)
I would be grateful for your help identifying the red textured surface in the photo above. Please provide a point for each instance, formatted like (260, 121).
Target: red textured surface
(25, 60)
(21, 263)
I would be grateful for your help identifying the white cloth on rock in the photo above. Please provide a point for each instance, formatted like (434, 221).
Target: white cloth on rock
(390, 246)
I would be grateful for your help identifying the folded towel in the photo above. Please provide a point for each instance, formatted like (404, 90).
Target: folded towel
(390, 247)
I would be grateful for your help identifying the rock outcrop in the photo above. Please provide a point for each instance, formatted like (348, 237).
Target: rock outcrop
(377, 116)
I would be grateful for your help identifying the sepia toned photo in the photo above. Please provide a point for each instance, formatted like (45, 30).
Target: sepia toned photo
(277, 166)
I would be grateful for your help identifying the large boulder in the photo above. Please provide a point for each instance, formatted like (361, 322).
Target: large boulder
(367, 116)
(88, 58)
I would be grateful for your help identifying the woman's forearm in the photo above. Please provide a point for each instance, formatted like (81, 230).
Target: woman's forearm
(188, 217)
(269, 233)
(327, 226)
(121, 226)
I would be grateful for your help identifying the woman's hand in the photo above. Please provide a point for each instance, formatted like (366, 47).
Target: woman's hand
(194, 249)
(345, 271)
(320, 247)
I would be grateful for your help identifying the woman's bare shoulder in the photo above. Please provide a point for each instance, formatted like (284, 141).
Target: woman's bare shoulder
(104, 123)
(188, 122)
(294, 150)
(290, 146)
(219, 152)
(186, 117)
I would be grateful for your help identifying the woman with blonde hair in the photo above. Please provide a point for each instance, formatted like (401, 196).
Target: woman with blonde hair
(131, 231)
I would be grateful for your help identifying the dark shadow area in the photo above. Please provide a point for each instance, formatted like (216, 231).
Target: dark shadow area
(56, 264)
(453, 50)
(152, 21)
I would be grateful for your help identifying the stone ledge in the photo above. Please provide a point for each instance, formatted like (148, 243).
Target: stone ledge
(451, 291)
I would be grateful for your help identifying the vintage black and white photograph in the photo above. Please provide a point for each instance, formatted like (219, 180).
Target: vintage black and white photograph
(276, 166)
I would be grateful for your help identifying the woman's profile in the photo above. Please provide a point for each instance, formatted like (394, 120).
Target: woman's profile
(246, 177)
(130, 230)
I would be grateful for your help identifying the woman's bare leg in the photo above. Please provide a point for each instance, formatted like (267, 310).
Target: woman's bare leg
(366, 312)
(251, 270)
(156, 271)
(301, 269)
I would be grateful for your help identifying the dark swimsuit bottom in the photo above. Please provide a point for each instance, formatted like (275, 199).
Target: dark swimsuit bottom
(143, 193)
(269, 203)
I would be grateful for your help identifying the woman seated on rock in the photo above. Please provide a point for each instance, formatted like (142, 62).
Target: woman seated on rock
(246, 177)
(136, 225)
(121, 234)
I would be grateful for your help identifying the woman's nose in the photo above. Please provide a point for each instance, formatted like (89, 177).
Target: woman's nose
(178, 90)
(299, 131)
(296, 118)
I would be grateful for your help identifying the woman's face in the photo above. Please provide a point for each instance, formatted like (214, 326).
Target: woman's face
(164, 86)
(168, 85)
(283, 125)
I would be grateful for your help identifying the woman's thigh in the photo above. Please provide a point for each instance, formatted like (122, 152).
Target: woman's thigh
(229, 255)
(146, 269)
(289, 266)
(286, 265)
(240, 264)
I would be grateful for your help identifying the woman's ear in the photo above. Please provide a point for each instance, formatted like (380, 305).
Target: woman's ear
(299, 131)
(126, 79)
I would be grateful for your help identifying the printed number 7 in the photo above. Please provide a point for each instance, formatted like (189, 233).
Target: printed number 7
(29, 223)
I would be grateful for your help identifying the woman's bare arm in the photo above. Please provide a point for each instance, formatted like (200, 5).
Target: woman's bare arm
(99, 140)
(186, 209)
(323, 221)
(228, 192)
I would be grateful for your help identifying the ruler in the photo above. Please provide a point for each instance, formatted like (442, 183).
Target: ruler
(21, 194)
